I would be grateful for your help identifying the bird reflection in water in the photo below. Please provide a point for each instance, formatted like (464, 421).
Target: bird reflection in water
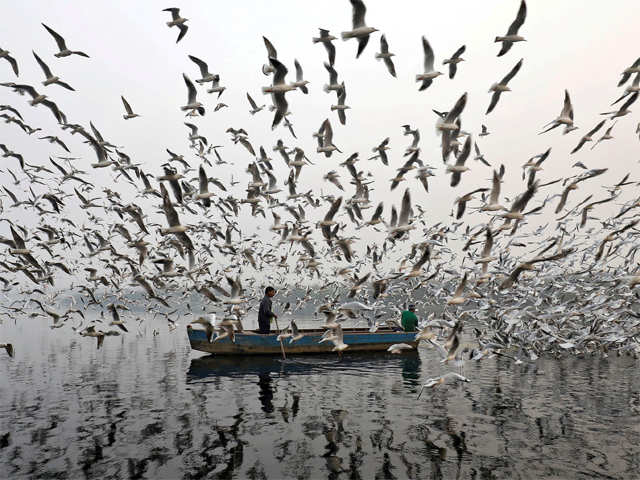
(266, 392)
(410, 369)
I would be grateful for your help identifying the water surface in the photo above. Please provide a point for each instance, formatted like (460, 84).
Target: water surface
(145, 406)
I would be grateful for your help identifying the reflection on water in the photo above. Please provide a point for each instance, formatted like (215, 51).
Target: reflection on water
(147, 407)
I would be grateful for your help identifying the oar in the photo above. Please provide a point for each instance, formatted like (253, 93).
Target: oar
(284, 357)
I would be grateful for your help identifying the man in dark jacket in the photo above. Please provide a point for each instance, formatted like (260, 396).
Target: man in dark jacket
(265, 313)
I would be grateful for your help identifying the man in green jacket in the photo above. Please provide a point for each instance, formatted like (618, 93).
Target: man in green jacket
(409, 319)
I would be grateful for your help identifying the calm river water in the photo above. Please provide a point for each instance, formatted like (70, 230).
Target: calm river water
(145, 406)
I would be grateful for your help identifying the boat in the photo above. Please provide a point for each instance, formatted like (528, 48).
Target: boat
(249, 342)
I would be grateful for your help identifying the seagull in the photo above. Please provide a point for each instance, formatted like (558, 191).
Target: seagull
(607, 136)
(484, 131)
(64, 51)
(565, 117)
(498, 88)
(458, 296)
(459, 167)
(448, 378)
(480, 156)
(333, 79)
(204, 193)
(403, 224)
(341, 107)
(454, 60)
(386, 56)
(50, 78)
(127, 107)
(327, 139)
(208, 326)
(14, 64)
(204, 71)
(494, 195)
(325, 38)
(512, 34)
(462, 201)
(588, 136)
(381, 149)
(177, 21)
(429, 73)
(216, 87)
(360, 29)
(398, 348)
(192, 104)
(278, 90)
(300, 82)
(254, 108)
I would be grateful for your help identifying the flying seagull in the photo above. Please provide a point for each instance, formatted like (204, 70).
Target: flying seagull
(454, 60)
(512, 34)
(360, 29)
(49, 77)
(429, 73)
(192, 103)
(62, 46)
(498, 88)
(14, 64)
(325, 38)
(127, 107)
(177, 21)
(386, 56)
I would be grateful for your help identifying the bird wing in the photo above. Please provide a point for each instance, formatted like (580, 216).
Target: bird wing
(461, 286)
(333, 209)
(204, 69)
(459, 52)
(281, 71)
(333, 75)
(405, 209)
(299, 73)
(271, 50)
(359, 10)
(43, 66)
(204, 181)
(464, 154)
(253, 104)
(390, 66)
(428, 55)
(520, 17)
(183, 31)
(495, 188)
(629, 101)
(512, 73)
(191, 95)
(488, 244)
(58, 38)
(127, 107)
(384, 46)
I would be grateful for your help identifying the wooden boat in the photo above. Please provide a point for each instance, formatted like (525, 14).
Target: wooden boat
(250, 342)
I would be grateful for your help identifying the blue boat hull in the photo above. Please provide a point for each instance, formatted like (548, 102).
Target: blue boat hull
(252, 343)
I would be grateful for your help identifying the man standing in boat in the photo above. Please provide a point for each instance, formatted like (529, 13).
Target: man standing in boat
(265, 313)
(409, 319)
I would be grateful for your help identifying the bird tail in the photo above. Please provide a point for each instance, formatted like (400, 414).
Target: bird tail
(498, 39)
(346, 35)
(315, 39)
(326, 88)
(266, 90)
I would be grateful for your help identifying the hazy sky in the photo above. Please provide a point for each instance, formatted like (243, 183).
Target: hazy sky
(577, 45)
